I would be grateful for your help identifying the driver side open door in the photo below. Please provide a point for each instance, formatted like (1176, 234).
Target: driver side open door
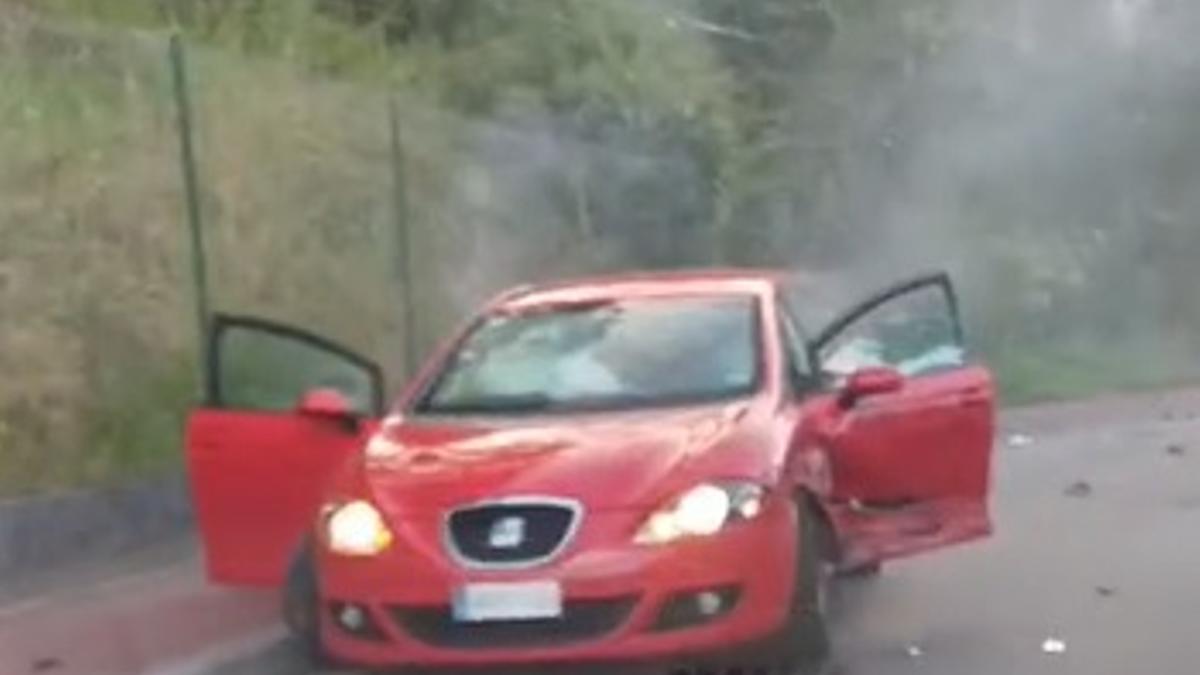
(285, 408)
(910, 463)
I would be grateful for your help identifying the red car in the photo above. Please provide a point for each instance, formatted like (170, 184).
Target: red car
(662, 466)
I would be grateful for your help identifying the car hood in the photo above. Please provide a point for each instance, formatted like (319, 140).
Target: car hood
(608, 461)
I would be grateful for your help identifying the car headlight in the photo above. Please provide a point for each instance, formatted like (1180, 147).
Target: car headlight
(702, 511)
(357, 529)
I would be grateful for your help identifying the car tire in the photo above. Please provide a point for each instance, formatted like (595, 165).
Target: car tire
(802, 644)
(301, 604)
(804, 640)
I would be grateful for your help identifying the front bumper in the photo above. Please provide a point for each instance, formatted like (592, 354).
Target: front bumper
(617, 598)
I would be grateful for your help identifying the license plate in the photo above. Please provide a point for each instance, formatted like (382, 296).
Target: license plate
(479, 603)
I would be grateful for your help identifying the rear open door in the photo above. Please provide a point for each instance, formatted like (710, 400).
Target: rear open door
(910, 467)
(257, 459)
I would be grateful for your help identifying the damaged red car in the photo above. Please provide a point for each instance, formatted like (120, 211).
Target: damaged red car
(668, 467)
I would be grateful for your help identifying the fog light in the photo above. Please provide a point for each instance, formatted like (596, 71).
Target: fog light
(352, 618)
(708, 603)
(698, 607)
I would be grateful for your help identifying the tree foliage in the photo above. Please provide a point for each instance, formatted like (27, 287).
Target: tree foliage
(1039, 164)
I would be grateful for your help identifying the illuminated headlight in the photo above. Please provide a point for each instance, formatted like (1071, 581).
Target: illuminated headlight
(357, 529)
(702, 511)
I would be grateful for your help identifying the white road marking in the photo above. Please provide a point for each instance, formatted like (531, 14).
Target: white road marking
(218, 655)
(22, 607)
(149, 578)
(70, 595)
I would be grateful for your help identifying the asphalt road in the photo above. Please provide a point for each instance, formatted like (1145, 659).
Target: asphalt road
(1097, 551)
(148, 611)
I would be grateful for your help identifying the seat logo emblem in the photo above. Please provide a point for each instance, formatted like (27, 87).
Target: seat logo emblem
(507, 533)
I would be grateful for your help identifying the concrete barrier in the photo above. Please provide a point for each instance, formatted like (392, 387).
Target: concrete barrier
(48, 530)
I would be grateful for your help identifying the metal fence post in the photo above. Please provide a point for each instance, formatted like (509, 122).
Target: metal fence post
(404, 258)
(191, 186)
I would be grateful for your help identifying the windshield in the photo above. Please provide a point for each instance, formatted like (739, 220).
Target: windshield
(605, 356)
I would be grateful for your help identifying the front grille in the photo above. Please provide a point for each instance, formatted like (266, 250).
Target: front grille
(510, 533)
(582, 620)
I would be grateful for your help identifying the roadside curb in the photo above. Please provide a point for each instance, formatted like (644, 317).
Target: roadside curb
(165, 621)
(47, 530)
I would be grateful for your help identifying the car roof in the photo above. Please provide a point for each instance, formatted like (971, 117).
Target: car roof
(700, 281)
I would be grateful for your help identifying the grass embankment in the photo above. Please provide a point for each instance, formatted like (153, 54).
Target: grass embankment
(1039, 374)
(97, 335)
(97, 340)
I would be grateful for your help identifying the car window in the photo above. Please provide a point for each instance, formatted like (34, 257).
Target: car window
(609, 355)
(259, 369)
(913, 333)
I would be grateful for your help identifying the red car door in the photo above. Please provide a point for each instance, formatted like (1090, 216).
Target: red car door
(284, 409)
(907, 424)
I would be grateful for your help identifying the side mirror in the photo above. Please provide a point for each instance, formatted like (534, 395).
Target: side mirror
(328, 404)
(870, 382)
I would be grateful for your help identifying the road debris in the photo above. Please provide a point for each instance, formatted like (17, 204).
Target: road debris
(914, 651)
(1106, 591)
(1052, 645)
(46, 664)
(1176, 450)
(1019, 441)
(1079, 489)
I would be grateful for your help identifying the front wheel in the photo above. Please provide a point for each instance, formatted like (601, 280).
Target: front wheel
(802, 643)
(301, 607)
(805, 636)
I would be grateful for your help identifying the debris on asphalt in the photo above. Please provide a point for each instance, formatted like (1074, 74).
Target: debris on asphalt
(46, 664)
(1176, 450)
(1053, 645)
(1019, 441)
(914, 651)
(1106, 591)
(1079, 489)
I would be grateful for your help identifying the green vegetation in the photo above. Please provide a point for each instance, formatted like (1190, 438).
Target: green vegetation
(298, 195)
(1064, 373)
(552, 137)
